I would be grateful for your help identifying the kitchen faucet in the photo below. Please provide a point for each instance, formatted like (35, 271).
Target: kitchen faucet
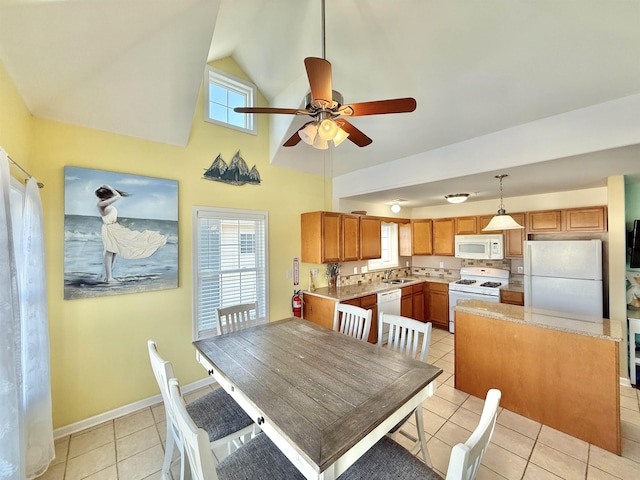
(387, 274)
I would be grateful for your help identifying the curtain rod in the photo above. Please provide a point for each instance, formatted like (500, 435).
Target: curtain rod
(40, 184)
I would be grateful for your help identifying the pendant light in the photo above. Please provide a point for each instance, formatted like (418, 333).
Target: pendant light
(501, 221)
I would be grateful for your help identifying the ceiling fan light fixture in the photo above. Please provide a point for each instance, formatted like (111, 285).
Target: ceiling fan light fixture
(457, 197)
(501, 221)
(320, 143)
(340, 137)
(308, 134)
(328, 129)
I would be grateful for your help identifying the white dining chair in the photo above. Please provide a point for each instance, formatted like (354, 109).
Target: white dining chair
(405, 335)
(352, 320)
(237, 317)
(258, 458)
(216, 412)
(388, 459)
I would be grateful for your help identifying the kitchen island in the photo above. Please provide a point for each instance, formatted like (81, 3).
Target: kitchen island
(561, 370)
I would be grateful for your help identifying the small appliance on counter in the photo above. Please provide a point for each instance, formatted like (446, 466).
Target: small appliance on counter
(564, 276)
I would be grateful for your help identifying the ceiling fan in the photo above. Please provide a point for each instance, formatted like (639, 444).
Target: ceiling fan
(326, 107)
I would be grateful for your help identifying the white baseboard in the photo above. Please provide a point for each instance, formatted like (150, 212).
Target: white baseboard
(124, 410)
(625, 382)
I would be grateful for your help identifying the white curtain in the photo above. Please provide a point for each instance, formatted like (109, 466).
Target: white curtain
(26, 429)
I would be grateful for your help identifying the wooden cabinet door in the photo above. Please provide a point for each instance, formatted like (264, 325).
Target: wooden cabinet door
(586, 219)
(439, 304)
(318, 310)
(511, 297)
(422, 235)
(544, 221)
(320, 237)
(483, 221)
(514, 239)
(406, 302)
(418, 302)
(443, 236)
(350, 250)
(405, 248)
(370, 238)
(370, 302)
(466, 225)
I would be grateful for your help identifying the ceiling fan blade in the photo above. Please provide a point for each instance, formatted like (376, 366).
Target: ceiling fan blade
(295, 138)
(355, 135)
(319, 74)
(286, 111)
(396, 105)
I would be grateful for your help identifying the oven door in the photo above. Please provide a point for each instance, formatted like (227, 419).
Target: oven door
(455, 297)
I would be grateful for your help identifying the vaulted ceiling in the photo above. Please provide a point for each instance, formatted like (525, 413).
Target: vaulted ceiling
(475, 68)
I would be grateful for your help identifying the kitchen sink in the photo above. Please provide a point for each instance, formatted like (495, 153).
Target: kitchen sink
(397, 281)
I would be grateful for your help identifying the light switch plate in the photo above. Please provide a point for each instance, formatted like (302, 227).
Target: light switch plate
(364, 270)
(355, 269)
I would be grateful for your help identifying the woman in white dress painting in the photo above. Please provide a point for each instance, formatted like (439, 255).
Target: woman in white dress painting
(119, 240)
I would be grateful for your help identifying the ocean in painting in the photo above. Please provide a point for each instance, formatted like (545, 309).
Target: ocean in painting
(83, 259)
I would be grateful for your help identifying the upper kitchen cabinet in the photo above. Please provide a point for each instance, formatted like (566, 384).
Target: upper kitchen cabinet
(370, 238)
(466, 225)
(350, 238)
(421, 231)
(544, 221)
(585, 219)
(514, 239)
(405, 240)
(443, 236)
(483, 221)
(320, 237)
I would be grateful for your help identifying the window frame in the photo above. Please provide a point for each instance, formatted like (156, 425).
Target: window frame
(230, 82)
(394, 262)
(232, 214)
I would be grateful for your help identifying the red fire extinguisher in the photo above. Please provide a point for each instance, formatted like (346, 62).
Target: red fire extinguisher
(296, 304)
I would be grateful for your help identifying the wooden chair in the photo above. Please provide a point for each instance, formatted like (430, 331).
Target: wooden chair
(257, 458)
(352, 320)
(237, 317)
(405, 334)
(216, 412)
(388, 459)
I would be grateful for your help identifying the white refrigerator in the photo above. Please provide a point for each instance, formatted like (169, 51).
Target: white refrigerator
(565, 276)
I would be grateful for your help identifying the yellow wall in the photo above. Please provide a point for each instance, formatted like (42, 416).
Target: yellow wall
(98, 345)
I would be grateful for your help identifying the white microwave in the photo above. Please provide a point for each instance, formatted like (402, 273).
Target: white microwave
(480, 247)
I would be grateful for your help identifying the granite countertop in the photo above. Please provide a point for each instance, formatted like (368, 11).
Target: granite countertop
(349, 292)
(566, 322)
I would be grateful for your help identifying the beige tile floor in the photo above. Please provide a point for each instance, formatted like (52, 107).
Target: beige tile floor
(131, 447)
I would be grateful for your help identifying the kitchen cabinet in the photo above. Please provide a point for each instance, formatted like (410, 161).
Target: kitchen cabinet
(370, 238)
(544, 221)
(406, 302)
(514, 239)
(350, 238)
(585, 219)
(418, 301)
(368, 302)
(483, 221)
(422, 235)
(318, 310)
(438, 304)
(511, 297)
(320, 237)
(405, 240)
(443, 236)
(466, 225)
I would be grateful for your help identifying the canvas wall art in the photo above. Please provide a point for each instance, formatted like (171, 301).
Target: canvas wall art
(120, 233)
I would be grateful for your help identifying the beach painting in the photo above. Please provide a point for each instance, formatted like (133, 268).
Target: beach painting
(120, 233)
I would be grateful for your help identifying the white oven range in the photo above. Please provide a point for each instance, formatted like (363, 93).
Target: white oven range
(477, 283)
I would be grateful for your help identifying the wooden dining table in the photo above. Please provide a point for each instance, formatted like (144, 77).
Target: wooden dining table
(324, 398)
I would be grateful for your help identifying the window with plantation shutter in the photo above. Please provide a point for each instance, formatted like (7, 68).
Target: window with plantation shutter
(229, 264)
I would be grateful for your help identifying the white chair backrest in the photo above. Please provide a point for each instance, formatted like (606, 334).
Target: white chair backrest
(237, 317)
(466, 457)
(404, 334)
(194, 439)
(163, 371)
(352, 320)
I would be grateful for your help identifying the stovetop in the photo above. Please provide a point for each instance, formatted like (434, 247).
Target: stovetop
(481, 280)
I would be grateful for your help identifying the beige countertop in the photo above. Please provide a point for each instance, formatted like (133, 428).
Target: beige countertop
(514, 287)
(349, 292)
(567, 322)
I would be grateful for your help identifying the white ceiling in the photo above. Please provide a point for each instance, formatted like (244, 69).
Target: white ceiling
(135, 67)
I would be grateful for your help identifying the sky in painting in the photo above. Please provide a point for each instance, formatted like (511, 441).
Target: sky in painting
(150, 198)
